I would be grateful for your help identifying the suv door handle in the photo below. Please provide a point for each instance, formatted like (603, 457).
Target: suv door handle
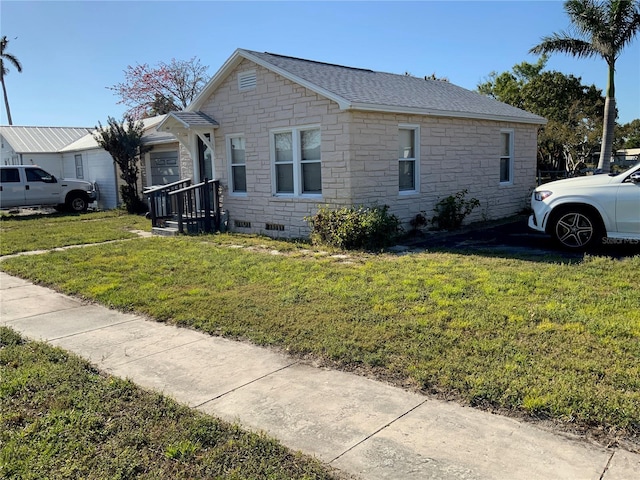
(26, 187)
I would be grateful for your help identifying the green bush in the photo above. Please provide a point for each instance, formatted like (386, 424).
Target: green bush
(452, 210)
(367, 228)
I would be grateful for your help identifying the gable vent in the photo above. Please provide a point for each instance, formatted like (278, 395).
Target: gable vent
(247, 80)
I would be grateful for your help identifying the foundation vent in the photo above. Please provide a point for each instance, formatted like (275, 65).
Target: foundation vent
(274, 226)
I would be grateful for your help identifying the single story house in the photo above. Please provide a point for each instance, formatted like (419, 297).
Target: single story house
(74, 153)
(285, 135)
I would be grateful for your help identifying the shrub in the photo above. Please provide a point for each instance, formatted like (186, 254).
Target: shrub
(368, 228)
(452, 210)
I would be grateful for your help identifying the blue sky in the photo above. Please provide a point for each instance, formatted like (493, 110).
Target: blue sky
(72, 51)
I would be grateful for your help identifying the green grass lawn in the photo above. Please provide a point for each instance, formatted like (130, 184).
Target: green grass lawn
(546, 339)
(60, 418)
(23, 233)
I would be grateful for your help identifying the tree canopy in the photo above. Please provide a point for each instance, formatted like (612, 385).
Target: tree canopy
(156, 90)
(573, 110)
(602, 29)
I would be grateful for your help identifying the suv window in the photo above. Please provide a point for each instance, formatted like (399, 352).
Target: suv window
(10, 175)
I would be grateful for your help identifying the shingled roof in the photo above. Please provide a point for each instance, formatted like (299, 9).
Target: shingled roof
(362, 89)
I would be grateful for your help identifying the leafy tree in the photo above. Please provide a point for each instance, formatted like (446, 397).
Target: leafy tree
(166, 87)
(573, 110)
(629, 134)
(123, 140)
(11, 59)
(604, 28)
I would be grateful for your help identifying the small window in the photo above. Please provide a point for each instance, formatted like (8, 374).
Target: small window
(10, 175)
(247, 80)
(408, 155)
(79, 169)
(236, 155)
(506, 156)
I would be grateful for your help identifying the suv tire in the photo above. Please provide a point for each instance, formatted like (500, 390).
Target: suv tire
(575, 228)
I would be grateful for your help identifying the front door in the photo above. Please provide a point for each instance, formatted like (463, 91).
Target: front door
(205, 160)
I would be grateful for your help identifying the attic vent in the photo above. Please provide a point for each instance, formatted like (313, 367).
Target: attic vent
(247, 80)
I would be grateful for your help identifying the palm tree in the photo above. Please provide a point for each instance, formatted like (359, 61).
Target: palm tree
(604, 28)
(4, 70)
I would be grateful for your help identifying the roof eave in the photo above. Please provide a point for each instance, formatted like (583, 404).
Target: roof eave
(443, 113)
(232, 62)
(342, 102)
(236, 59)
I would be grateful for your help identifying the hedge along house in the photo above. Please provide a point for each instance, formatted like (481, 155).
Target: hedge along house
(285, 135)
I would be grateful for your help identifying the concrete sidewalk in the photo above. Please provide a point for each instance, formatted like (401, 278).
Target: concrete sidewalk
(365, 428)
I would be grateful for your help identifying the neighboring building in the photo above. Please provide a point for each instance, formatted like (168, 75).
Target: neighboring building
(74, 153)
(627, 157)
(285, 135)
(38, 145)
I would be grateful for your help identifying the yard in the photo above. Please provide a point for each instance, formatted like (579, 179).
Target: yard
(541, 339)
(60, 418)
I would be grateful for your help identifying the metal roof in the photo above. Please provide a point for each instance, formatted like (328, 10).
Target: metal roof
(41, 139)
(362, 89)
(149, 137)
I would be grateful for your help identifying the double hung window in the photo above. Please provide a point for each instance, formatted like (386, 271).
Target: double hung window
(297, 161)
(408, 155)
(506, 156)
(237, 160)
(79, 169)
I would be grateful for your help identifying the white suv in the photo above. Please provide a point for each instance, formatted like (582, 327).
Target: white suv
(580, 212)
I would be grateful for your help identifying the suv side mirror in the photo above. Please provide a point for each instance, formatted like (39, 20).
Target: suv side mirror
(49, 179)
(635, 177)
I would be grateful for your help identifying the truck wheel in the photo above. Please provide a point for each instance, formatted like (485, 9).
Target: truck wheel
(576, 229)
(77, 203)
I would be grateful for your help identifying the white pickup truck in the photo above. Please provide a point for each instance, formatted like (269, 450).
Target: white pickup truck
(31, 186)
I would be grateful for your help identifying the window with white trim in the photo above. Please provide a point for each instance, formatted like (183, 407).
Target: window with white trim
(237, 163)
(79, 168)
(297, 162)
(408, 155)
(506, 156)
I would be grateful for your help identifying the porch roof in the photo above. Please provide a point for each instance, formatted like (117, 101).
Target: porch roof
(186, 120)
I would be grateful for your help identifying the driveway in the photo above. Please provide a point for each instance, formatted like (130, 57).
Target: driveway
(512, 237)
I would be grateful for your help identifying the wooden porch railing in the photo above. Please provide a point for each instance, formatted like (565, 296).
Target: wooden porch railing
(163, 207)
(198, 207)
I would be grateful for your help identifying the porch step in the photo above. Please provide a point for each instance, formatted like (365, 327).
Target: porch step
(165, 231)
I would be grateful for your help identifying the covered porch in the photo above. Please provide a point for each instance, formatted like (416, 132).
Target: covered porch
(193, 203)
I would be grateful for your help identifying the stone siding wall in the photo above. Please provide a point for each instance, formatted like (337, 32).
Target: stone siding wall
(455, 154)
(359, 152)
